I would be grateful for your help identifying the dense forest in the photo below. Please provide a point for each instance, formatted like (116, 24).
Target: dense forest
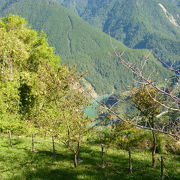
(83, 45)
(152, 25)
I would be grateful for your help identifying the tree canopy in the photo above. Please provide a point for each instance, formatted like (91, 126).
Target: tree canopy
(34, 86)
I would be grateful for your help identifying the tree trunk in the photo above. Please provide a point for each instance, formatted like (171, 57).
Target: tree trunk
(68, 142)
(162, 168)
(10, 138)
(154, 149)
(78, 151)
(33, 143)
(102, 155)
(76, 154)
(130, 161)
(75, 160)
(53, 146)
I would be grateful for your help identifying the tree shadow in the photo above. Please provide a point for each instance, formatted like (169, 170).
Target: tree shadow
(42, 165)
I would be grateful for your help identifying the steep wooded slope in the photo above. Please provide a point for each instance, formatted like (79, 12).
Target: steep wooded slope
(150, 24)
(79, 43)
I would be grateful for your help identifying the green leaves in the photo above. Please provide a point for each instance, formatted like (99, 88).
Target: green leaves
(143, 99)
(79, 43)
(35, 88)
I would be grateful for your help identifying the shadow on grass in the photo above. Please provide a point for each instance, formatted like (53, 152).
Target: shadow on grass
(42, 165)
(50, 174)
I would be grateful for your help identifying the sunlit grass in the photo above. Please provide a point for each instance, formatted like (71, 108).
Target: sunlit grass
(19, 163)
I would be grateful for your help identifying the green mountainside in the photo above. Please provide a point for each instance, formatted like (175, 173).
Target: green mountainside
(79, 43)
(150, 24)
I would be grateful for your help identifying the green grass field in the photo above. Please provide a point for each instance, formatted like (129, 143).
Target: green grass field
(19, 163)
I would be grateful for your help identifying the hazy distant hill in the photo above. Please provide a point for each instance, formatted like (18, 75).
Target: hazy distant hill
(151, 24)
(80, 43)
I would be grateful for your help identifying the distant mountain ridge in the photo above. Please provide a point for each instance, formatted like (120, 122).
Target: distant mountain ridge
(138, 23)
(79, 43)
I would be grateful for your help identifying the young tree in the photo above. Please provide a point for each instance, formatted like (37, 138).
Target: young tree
(65, 103)
(128, 137)
(149, 109)
(75, 126)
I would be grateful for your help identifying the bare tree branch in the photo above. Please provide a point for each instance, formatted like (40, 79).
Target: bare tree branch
(170, 67)
(139, 73)
(133, 124)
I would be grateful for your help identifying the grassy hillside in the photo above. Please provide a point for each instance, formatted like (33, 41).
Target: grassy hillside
(79, 43)
(139, 24)
(19, 163)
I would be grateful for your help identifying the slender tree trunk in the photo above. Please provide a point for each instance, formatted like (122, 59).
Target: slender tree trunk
(78, 151)
(130, 161)
(53, 146)
(75, 160)
(154, 149)
(68, 143)
(102, 155)
(33, 143)
(10, 138)
(76, 154)
(162, 168)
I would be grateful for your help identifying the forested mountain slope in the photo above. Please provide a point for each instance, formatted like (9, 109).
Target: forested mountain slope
(79, 43)
(150, 24)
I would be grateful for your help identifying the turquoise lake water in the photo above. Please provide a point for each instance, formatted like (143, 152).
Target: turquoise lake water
(92, 111)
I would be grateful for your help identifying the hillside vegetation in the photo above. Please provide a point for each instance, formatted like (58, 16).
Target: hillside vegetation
(153, 25)
(79, 43)
(45, 131)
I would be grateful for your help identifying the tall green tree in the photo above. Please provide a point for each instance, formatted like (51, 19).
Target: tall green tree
(34, 86)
